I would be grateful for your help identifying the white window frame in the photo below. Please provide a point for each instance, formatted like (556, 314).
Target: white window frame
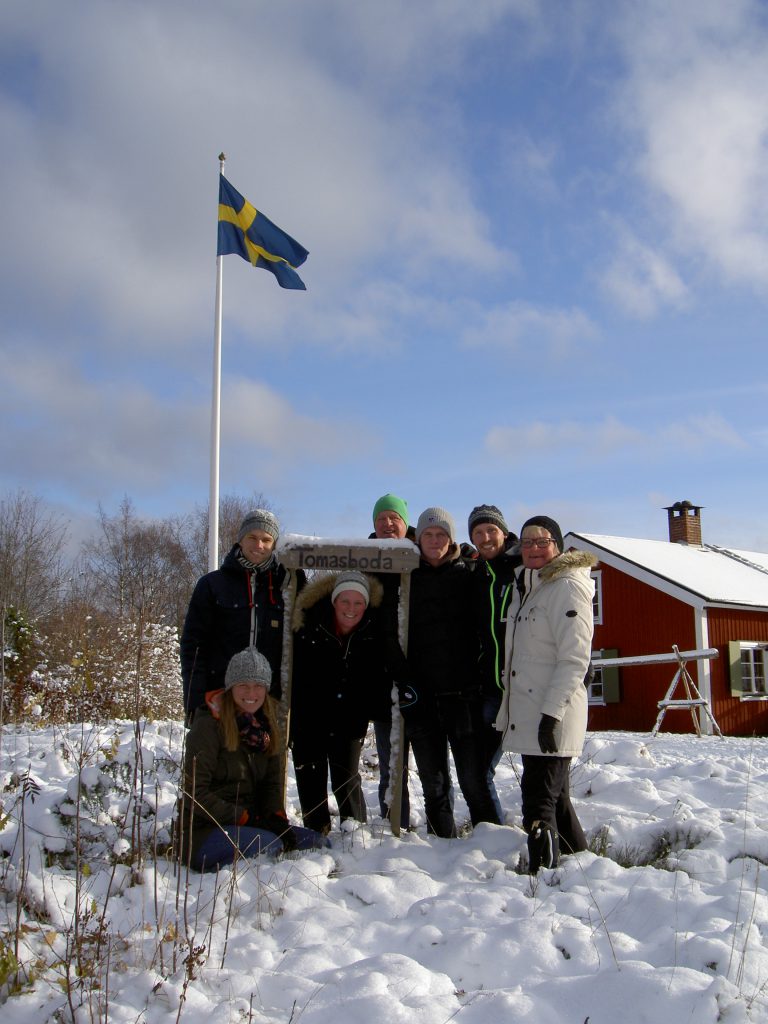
(593, 697)
(597, 603)
(758, 660)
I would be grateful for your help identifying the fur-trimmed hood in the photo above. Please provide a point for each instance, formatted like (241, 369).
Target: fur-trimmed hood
(321, 587)
(564, 563)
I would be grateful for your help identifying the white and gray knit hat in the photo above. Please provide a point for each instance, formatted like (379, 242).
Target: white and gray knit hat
(248, 666)
(259, 519)
(351, 580)
(436, 517)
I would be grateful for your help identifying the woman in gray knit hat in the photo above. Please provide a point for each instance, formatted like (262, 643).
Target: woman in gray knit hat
(232, 797)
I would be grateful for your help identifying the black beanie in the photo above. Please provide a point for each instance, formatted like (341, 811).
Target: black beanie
(486, 514)
(546, 524)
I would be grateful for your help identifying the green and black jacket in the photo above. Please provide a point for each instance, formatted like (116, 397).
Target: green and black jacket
(492, 592)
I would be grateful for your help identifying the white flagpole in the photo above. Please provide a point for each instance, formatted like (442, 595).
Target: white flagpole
(213, 498)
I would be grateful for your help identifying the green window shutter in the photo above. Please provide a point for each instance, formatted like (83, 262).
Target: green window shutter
(611, 684)
(734, 659)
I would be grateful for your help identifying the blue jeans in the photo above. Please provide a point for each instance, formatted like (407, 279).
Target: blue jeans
(383, 733)
(221, 844)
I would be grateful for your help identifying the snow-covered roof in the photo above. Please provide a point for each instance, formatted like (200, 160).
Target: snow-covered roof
(698, 575)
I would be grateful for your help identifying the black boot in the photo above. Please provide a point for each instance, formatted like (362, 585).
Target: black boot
(543, 848)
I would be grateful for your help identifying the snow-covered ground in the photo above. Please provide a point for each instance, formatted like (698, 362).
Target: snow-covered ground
(382, 930)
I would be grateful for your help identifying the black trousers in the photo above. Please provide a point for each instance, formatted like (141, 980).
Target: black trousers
(313, 760)
(454, 722)
(546, 795)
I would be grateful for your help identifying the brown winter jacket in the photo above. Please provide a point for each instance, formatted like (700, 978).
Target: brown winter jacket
(224, 783)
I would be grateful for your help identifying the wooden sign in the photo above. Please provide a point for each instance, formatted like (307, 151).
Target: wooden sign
(366, 556)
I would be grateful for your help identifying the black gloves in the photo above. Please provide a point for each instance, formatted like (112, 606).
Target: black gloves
(288, 839)
(407, 696)
(547, 742)
(278, 823)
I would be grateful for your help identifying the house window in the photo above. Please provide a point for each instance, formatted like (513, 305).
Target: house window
(749, 661)
(597, 600)
(595, 693)
(604, 687)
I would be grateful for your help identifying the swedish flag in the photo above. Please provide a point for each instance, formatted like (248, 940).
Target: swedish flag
(245, 231)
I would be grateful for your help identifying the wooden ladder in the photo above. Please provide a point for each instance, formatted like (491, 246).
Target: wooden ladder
(692, 699)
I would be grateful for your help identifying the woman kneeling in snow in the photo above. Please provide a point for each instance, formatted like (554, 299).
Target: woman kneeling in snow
(232, 801)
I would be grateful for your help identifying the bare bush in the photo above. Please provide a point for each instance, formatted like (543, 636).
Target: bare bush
(139, 570)
(31, 541)
(97, 638)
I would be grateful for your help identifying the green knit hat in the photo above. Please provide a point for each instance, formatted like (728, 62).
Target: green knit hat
(391, 503)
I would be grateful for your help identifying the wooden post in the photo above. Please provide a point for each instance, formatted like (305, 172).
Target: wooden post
(397, 748)
(290, 585)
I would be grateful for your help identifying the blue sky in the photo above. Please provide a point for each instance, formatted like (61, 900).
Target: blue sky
(538, 271)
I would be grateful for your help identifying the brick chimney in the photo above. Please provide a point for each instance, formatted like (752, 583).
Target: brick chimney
(684, 523)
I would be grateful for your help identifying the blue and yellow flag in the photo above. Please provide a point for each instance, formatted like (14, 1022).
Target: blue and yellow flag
(245, 231)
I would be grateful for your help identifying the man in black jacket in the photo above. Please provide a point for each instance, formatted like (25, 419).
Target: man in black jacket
(390, 522)
(443, 652)
(237, 606)
(492, 581)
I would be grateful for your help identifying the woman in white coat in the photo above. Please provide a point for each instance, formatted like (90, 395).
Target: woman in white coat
(543, 713)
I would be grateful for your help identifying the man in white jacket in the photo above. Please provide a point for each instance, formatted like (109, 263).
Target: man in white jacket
(543, 713)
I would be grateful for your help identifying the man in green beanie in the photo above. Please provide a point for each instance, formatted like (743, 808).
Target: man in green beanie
(390, 522)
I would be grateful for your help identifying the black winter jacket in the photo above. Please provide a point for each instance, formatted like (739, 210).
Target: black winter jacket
(492, 585)
(340, 683)
(443, 646)
(225, 605)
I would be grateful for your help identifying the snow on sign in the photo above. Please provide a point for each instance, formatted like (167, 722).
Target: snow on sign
(298, 552)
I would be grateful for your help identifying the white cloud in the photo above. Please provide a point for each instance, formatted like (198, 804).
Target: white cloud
(530, 163)
(256, 418)
(609, 438)
(642, 279)
(695, 100)
(112, 169)
(108, 437)
(519, 326)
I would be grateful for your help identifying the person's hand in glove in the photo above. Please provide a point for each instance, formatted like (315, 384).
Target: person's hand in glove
(279, 824)
(288, 839)
(410, 707)
(547, 742)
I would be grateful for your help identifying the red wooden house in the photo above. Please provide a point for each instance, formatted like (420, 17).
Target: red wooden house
(653, 594)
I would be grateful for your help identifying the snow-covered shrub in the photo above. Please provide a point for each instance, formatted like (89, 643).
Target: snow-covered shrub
(108, 670)
(21, 652)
